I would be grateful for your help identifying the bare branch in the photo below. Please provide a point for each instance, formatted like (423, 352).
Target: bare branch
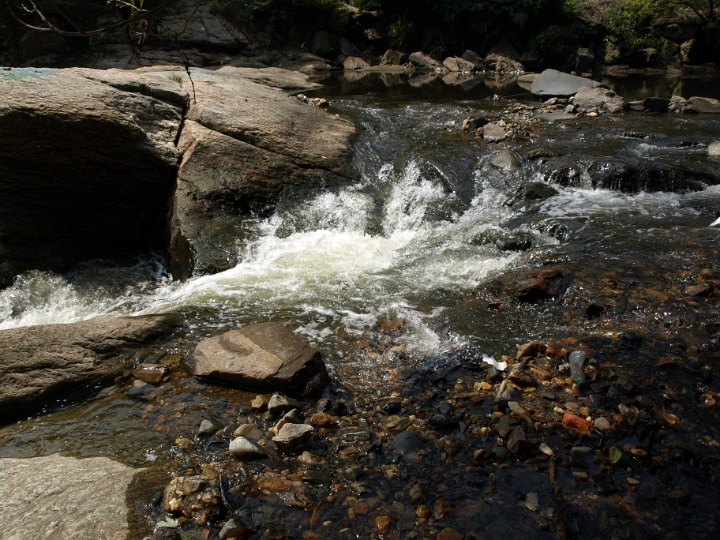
(50, 27)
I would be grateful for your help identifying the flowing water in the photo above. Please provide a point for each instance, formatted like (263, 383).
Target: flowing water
(428, 219)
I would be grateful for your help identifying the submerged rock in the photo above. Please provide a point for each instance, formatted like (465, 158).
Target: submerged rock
(62, 497)
(264, 357)
(195, 497)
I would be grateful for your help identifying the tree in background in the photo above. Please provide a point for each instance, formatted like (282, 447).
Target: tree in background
(456, 24)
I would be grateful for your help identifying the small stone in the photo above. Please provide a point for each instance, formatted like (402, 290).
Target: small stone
(517, 443)
(293, 416)
(382, 523)
(322, 419)
(396, 423)
(545, 449)
(531, 349)
(602, 424)
(423, 511)
(306, 458)
(150, 373)
(245, 450)
(260, 403)
(280, 404)
(532, 501)
(494, 133)
(209, 426)
(249, 431)
(291, 436)
(574, 422)
(581, 451)
(416, 493)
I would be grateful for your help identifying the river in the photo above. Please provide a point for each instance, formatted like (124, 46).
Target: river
(428, 220)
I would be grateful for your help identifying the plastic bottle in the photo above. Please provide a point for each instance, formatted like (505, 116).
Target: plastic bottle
(576, 360)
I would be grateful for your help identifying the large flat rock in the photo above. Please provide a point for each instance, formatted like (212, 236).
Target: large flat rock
(554, 83)
(38, 363)
(77, 147)
(64, 498)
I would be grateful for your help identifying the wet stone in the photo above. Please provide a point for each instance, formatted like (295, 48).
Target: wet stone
(517, 443)
(195, 497)
(409, 444)
(209, 426)
(245, 450)
(321, 419)
(249, 431)
(260, 403)
(280, 404)
(293, 436)
(581, 451)
(150, 373)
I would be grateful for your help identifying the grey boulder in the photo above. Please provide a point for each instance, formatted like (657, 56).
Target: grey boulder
(556, 83)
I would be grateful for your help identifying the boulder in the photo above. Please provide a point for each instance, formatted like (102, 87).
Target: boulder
(265, 357)
(475, 59)
(423, 62)
(63, 497)
(714, 149)
(553, 83)
(600, 98)
(506, 160)
(393, 58)
(453, 63)
(242, 145)
(355, 62)
(77, 147)
(503, 64)
(701, 105)
(190, 25)
(38, 363)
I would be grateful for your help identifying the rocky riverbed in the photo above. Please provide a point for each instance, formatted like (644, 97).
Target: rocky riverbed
(491, 436)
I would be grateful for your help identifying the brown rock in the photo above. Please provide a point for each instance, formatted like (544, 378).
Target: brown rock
(91, 150)
(576, 423)
(382, 523)
(150, 373)
(321, 419)
(266, 356)
(531, 349)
